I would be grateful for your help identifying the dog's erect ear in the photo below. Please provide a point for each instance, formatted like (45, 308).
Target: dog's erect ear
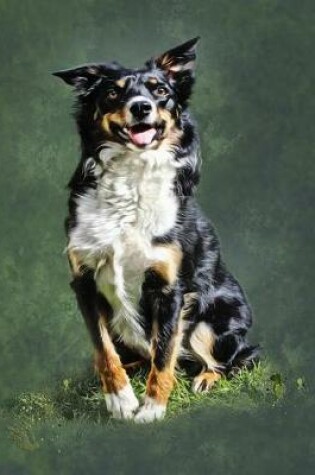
(179, 59)
(179, 65)
(83, 78)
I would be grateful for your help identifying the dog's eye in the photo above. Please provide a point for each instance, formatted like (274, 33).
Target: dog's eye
(112, 94)
(161, 91)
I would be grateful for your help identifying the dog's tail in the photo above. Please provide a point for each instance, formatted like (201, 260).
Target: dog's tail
(246, 357)
(235, 353)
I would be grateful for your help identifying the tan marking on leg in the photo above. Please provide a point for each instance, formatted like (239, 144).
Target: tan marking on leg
(175, 345)
(161, 382)
(168, 266)
(75, 263)
(160, 385)
(189, 300)
(120, 399)
(202, 342)
(112, 374)
(205, 381)
(154, 337)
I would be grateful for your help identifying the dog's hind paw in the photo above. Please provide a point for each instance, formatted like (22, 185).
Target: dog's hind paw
(205, 381)
(123, 404)
(150, 411)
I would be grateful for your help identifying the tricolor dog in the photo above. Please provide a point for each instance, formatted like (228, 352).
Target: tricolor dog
(146, 264)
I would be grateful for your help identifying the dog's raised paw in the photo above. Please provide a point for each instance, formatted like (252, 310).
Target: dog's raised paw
(123, 404)
(150, 411)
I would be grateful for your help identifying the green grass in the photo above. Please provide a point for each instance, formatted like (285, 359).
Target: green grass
(81, 400)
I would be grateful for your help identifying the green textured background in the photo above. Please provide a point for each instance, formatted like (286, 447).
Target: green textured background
(255, 108)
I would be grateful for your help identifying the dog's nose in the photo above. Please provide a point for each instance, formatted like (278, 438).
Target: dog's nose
(140, 109)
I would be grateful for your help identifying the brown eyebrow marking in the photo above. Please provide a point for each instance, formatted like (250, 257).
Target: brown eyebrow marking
(152, 80)
(121, 82)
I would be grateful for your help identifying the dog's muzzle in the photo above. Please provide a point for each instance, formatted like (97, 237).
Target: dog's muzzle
(141, 120)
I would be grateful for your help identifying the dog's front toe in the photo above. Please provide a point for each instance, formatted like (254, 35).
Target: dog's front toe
(123, 404)
(150, 411)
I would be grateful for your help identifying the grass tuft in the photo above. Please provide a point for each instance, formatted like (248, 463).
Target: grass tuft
(81, 400)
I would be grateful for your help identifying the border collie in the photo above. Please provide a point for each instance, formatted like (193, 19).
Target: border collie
(146, 264)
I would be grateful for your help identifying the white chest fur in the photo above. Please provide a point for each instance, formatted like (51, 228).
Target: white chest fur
(133, 202)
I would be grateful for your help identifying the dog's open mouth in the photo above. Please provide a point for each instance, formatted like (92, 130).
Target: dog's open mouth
(142, 134)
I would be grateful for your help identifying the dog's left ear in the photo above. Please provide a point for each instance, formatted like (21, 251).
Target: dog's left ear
(179, 59)
(179, 65)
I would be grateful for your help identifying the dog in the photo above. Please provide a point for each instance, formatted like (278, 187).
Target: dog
(147, 270)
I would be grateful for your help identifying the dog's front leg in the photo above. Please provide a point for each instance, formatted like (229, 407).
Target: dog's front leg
(120, 399)
(166, 340)
(166, 299)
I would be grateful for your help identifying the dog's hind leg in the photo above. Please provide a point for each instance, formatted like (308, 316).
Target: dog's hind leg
(219, 339)
(231, 320)
(120, 399)
(202, 341)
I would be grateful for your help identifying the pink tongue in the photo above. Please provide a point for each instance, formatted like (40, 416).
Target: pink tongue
(142, 138)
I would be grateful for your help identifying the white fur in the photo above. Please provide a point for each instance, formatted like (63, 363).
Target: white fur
(133, 202)
(123, 404)
(150, 411)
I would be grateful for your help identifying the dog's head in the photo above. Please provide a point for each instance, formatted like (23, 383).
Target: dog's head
(139, 108)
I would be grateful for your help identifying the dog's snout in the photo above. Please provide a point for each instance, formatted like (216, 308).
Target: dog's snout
(140, 109)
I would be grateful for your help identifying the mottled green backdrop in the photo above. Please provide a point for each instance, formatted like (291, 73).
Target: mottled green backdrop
(255, 109)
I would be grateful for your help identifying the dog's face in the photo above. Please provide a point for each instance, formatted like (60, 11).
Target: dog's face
(140, 108)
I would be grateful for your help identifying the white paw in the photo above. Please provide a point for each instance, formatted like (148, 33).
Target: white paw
(123, 404)
(150, 411)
